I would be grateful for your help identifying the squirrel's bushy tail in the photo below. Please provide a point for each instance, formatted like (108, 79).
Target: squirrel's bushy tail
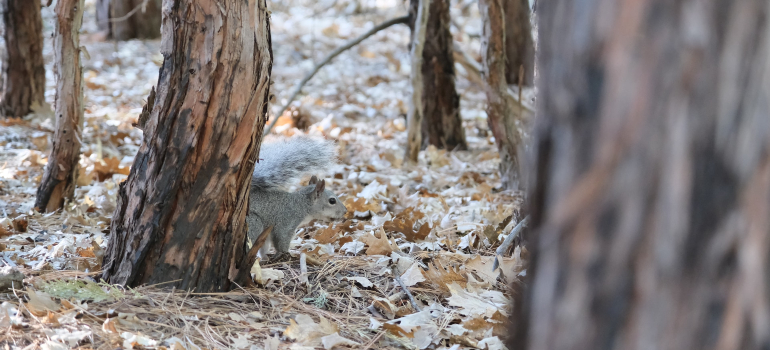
(285, 160)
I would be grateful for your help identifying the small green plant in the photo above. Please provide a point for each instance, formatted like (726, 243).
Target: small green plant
(319, 301)
(86, 290)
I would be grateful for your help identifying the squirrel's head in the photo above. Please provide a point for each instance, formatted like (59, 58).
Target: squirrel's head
(324, 203)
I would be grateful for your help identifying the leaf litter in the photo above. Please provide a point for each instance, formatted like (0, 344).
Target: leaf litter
(434, 226)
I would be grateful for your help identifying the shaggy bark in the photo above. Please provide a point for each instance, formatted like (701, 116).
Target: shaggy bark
(416, 112)
(129, 19)
(519, 46)
(22, 86)
(441, 123)
(503, 112)
(60, 176)
(180, 214)
(651, 208)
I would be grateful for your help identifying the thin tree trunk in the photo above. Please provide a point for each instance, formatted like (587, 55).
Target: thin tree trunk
(23, 73)
(502, 110)
(651, 208)
(441, 124)
(519, 47)
(129, 19)
(416, 112)
(181, 212)
(60, 176)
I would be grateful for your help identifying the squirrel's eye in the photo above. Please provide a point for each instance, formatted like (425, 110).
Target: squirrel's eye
(332, 201)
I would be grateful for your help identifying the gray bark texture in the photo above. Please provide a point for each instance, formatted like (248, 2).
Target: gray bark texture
(61, 172)
(651, 200)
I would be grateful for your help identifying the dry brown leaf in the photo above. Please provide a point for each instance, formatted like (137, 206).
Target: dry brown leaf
(86, 252)
(378, 245)
(20, 224)
(5, 231)
(51, 319)
(442, 276)
(328, 234)
(385, 307)
(305, 331)
(315, 257)
(107, 167)
(360, 205)
(40, 303)
(397, 331)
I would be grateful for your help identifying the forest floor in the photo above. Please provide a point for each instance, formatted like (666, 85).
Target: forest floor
(435, 225)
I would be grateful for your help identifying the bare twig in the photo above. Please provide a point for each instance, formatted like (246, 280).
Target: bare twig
(408, 293)
(508, 241)
(326, 60)
(133, 11)
(474, 69)
(303, 269)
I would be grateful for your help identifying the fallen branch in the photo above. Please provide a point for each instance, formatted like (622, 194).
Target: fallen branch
(408, 293)
(508, 241)
(327, 59)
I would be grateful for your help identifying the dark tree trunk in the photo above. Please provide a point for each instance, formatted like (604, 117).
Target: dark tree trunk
(651, 208)
(60, 176)
(180, 214)
(129, 19)
(441, 123)
(23, 74)
(504, 114)
(519, 47)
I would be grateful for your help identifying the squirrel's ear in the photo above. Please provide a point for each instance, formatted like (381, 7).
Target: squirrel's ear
(313, 180)
(319, 187)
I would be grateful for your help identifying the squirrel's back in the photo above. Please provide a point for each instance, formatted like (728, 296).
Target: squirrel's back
(285, 160)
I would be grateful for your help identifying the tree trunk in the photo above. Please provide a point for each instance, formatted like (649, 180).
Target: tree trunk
(23, 73)
(60, 176)
(519, 47)
(441, 123)
(503, 112)
(129, 19)
(651, 208)
(416, 111)
(181, 212)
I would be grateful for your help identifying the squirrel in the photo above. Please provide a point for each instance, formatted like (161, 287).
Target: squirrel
(281, 163)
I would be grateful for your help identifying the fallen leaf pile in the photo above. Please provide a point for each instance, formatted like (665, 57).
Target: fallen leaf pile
(410, 266)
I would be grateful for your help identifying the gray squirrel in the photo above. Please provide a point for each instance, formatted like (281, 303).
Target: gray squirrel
(280, 164)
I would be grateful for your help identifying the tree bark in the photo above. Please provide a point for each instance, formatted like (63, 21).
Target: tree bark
(416, 112)
(129, 19)
(519, 46)
(181, 212)
(60, 176)
(23, 72)
(441, 123)
(651, 208)
(503, 112)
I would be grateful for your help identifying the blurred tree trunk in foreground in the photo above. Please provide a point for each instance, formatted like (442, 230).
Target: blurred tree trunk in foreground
(60, 176)
(129, 19)
(441, 123)
(651, 204)
(519, 47)
(504, 114)
(180, 214)
(23, 74)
